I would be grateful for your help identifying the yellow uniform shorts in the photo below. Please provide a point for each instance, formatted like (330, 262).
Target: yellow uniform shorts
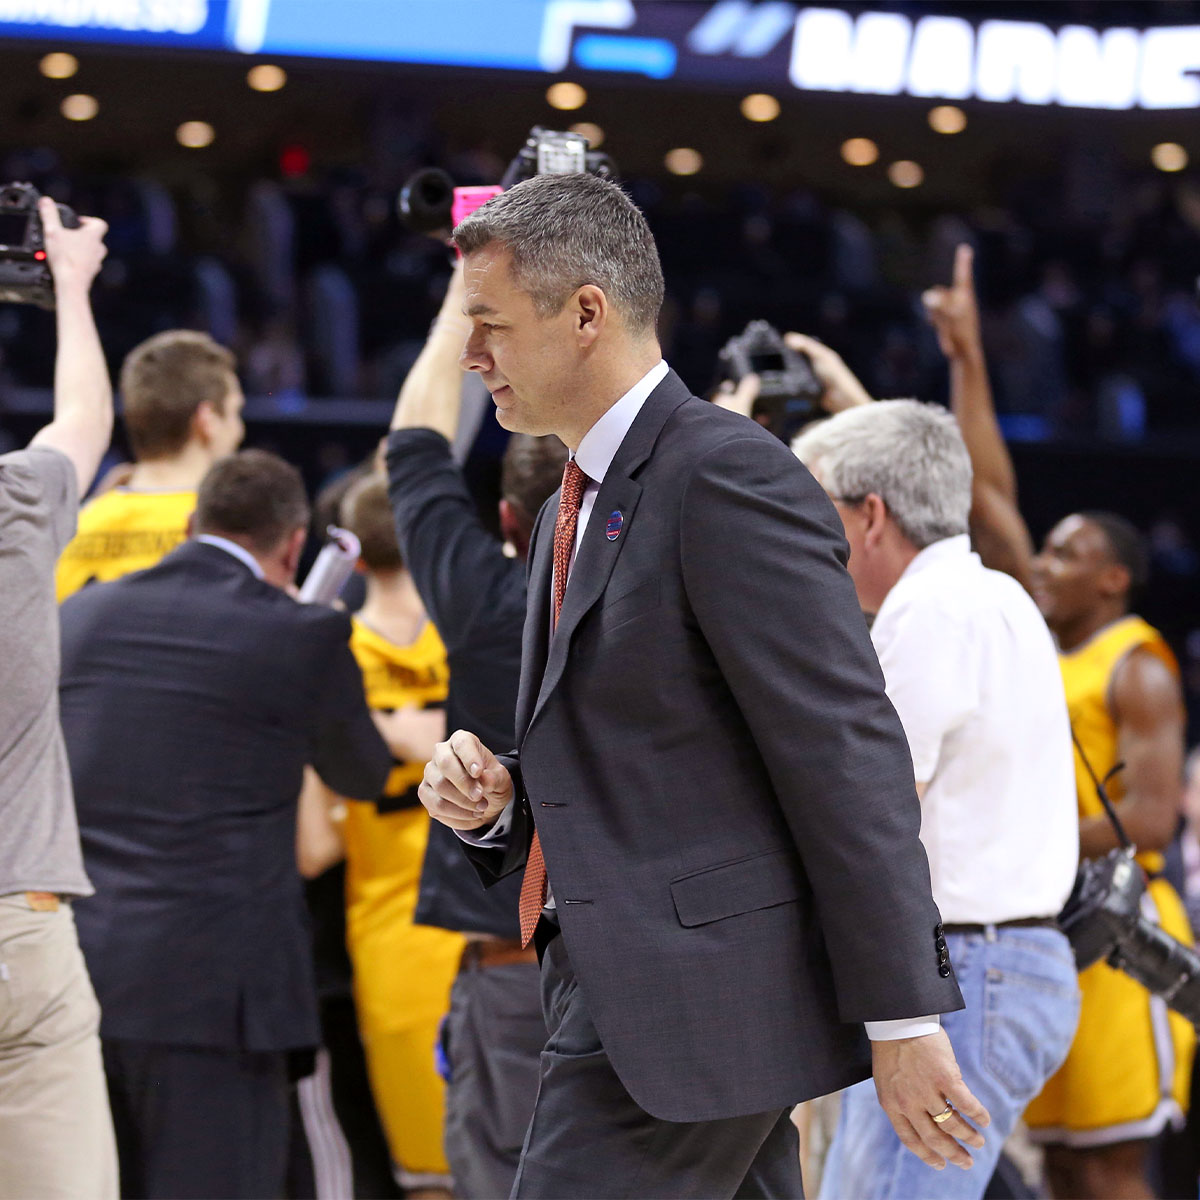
(1128, 1069)
(402, 981)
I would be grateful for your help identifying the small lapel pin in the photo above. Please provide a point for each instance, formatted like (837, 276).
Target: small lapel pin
(612, 530)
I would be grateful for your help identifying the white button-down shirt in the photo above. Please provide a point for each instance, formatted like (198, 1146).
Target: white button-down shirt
(239, 552)
(973, 673)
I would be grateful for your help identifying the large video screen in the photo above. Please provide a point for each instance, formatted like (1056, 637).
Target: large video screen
(732, 43)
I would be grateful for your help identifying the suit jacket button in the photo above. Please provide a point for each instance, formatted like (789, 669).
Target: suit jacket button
(944, 971)
(944, 957)
(938, 930)
(940, 944)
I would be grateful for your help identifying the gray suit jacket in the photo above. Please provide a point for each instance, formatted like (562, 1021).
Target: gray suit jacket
(723, 792)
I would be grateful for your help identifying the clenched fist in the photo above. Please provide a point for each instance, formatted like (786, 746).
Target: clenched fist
(465, 785)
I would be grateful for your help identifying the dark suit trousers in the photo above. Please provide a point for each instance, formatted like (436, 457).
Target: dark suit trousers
(196, 1122)
(589, 1140)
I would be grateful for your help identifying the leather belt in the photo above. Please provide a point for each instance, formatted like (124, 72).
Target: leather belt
(1019, 923)
(495, 952)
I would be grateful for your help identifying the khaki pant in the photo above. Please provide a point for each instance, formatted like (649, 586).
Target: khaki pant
(56, 1136)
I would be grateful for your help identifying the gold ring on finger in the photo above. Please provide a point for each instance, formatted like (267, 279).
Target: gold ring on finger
(945, 1115)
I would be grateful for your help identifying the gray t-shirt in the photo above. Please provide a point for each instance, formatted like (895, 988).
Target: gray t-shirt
(39, 836)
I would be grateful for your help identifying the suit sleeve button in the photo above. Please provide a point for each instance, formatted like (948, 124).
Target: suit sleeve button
(944, 971)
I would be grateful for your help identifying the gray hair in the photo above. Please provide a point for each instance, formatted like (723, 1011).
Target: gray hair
(564, 231)
(912, 455)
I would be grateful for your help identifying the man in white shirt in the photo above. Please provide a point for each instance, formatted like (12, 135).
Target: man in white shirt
(971, 669)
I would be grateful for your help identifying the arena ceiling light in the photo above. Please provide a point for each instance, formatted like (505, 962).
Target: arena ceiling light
(195, 135)
(683, 160)
(591, 131)
(266, 77)
(860, 151)
(906, 174)
(80, 107)
(59, 65)
(566, 96)
(760, 107)
(947, 118)
(1169, 156)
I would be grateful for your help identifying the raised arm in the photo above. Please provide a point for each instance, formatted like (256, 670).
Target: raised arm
(431, 395)
(1000, 533)
(83, 401)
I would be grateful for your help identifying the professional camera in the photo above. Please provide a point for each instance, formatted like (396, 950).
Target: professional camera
(24, 273)
(789, 393)
(1103, 920)
(430, 203)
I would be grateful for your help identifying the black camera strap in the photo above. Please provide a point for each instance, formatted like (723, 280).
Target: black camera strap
(1110, 808)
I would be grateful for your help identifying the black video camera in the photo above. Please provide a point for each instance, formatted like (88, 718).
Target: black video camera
(789, 393)
(25, 276)
(1103, 920)
(430, 203)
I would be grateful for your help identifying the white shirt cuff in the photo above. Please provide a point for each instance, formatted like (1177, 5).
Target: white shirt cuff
(906, 1027)
(500, 827)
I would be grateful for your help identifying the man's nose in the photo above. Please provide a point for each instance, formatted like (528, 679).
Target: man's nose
(473, 357)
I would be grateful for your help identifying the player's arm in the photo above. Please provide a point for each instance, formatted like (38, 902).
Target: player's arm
(1000, 533)
(411, 733)
(431, 395)
(319, 816)
(1148, 708)
(83, 401)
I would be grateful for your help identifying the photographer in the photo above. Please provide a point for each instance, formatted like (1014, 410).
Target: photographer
(56, 1136)
(971, 671)
(475, 596)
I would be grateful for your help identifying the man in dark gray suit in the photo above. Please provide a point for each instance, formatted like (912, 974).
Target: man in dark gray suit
(712, 798)
(193, 696)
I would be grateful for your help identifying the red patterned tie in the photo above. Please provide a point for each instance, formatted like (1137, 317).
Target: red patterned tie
(533, 886)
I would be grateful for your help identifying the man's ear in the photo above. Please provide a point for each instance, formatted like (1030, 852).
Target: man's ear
(202, 423)
(589, 308)
(876, 512)
(190, 529)
(293, 549)
(515, 529)
(1114, 580)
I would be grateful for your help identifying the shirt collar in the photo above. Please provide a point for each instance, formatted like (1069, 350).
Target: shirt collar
(238, 552)
(957, 548)
(601, 443)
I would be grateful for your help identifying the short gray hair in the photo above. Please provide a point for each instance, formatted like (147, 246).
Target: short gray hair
(564, 231)
(912, 455)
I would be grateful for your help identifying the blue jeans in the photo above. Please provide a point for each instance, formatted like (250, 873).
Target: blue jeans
(1022, 999)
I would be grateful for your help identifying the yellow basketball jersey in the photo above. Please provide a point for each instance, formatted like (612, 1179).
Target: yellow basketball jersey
(1087, 678)
(122, 531)
(385, 850)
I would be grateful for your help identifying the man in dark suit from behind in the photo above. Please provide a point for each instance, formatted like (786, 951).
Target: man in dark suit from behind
(193, 695)
(712, 801)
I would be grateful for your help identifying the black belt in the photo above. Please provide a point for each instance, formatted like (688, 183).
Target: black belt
(1019, 923)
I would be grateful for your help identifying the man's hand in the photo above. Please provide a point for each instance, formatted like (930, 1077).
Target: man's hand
(954, 311)
(739, 397)
(842, 387)
(74, 255)
(465, 785)
(914, 1079)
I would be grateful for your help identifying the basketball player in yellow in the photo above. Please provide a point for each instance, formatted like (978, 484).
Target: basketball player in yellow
(402, 972)
(1127, 1073)
(182, 407)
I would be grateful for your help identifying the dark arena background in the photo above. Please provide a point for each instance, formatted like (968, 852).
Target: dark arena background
(814, 166)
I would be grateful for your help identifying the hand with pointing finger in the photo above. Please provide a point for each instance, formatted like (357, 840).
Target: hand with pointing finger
(954, 311)
(465, 785)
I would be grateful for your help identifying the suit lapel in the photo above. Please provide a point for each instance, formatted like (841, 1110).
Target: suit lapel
(535, 638)
(619, 493)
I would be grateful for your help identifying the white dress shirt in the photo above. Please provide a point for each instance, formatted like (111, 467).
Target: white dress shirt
(239, 552)
(973, 673)
(595, 455)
